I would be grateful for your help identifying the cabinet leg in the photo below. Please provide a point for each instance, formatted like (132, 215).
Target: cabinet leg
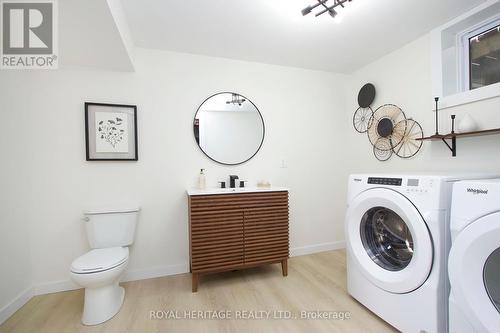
(194, 280)
(284, 267)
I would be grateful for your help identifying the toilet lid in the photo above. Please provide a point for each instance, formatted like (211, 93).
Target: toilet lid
(99, 260)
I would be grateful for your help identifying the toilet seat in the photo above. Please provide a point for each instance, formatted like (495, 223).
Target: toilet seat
(99, 260)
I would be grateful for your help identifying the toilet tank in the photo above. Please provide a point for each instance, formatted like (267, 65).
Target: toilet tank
(111, 227)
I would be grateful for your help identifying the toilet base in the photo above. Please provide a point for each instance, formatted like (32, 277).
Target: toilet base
(102, 304)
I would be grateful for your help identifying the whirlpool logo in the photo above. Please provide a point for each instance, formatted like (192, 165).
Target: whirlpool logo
(477, 191)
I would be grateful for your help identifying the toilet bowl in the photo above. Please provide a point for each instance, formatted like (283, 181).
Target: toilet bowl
(110, 232)
(99, 272)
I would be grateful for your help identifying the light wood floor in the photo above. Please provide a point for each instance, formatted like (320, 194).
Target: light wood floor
(315, 282)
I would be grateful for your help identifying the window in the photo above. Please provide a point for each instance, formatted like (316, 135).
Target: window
(466, 56)
(484, 58)
(481, 57)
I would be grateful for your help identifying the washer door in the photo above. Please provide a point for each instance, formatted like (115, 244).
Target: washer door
(389, 240)
(474, 271)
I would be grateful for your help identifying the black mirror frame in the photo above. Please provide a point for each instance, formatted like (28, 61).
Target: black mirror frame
(261, 118)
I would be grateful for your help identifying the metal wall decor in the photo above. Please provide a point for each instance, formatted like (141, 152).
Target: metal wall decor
(328, 7)
(363, 115)
(410, 144)
(388, 129)
(388, 122)
(382, 149)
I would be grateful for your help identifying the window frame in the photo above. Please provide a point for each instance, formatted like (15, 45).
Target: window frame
(463, 41)
(446, 75)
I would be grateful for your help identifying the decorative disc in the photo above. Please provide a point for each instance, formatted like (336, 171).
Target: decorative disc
(409, 145)
(387, 124)
(366, 95)
(382, 149)
(362, 119)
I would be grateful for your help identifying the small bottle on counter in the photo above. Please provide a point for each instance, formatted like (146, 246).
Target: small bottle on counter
(202, 181)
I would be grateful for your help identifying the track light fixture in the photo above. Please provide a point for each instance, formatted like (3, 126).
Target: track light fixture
(330, 9)
(236, 100)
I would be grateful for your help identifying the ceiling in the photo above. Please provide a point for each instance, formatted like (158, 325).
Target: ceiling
(274, 31)
(97, 45)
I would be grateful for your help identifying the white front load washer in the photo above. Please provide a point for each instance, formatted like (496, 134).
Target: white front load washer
(474, 261)
(398, 238)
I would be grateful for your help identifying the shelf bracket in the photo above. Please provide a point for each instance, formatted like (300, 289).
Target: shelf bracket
(453, 147)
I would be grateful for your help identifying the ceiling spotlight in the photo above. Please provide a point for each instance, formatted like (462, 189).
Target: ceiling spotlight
(306, 10)
(330, 9)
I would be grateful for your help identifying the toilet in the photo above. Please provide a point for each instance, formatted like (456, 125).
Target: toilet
(109, 233)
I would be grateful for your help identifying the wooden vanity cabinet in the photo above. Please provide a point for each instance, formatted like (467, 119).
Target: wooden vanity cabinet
(237, 230)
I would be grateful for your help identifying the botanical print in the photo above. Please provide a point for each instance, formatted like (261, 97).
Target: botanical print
(111, 132)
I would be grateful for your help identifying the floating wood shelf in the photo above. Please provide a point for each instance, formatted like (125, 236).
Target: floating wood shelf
(453, 137)
(459, 135)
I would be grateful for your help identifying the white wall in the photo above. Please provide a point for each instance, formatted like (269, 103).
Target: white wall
(404, 78)
(50, 183)
(16, 173)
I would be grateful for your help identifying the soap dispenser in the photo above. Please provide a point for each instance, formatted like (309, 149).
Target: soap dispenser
(202, 181)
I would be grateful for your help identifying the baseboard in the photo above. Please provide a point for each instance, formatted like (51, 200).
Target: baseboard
(154, 272)
(21, 299)
(168, 270)
(131, 275)
(55, 287)
(310, 249)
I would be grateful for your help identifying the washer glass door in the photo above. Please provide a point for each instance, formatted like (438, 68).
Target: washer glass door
(491, 276)
(386, 238)
(474, 272)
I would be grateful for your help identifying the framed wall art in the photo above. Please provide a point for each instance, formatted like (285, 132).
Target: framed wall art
(110, 132)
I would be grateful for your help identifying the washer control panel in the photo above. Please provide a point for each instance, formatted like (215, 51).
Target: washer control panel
(385, 181)
(405, 185)
(423, 185)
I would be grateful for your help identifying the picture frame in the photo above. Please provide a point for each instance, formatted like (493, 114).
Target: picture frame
(110, 132)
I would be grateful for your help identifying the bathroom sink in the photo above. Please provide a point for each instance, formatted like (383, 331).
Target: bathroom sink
(214, 191)
(242, 189)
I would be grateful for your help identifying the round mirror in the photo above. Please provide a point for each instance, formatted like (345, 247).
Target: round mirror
(228, 128)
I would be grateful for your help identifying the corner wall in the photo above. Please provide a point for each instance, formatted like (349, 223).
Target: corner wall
(16, 173)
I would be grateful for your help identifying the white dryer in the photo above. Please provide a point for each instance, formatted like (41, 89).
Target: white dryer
(474, 261)
(397, 233)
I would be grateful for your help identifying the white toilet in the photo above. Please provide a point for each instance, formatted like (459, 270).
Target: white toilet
(109, 232)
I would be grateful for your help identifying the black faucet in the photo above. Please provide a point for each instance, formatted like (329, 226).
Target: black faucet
(232, 181)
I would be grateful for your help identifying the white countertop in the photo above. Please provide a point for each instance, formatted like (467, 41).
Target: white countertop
(210, 191)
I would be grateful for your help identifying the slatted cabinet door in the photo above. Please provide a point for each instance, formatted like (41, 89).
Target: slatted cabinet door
(238, 230)
(216, 231)
(266, 228)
